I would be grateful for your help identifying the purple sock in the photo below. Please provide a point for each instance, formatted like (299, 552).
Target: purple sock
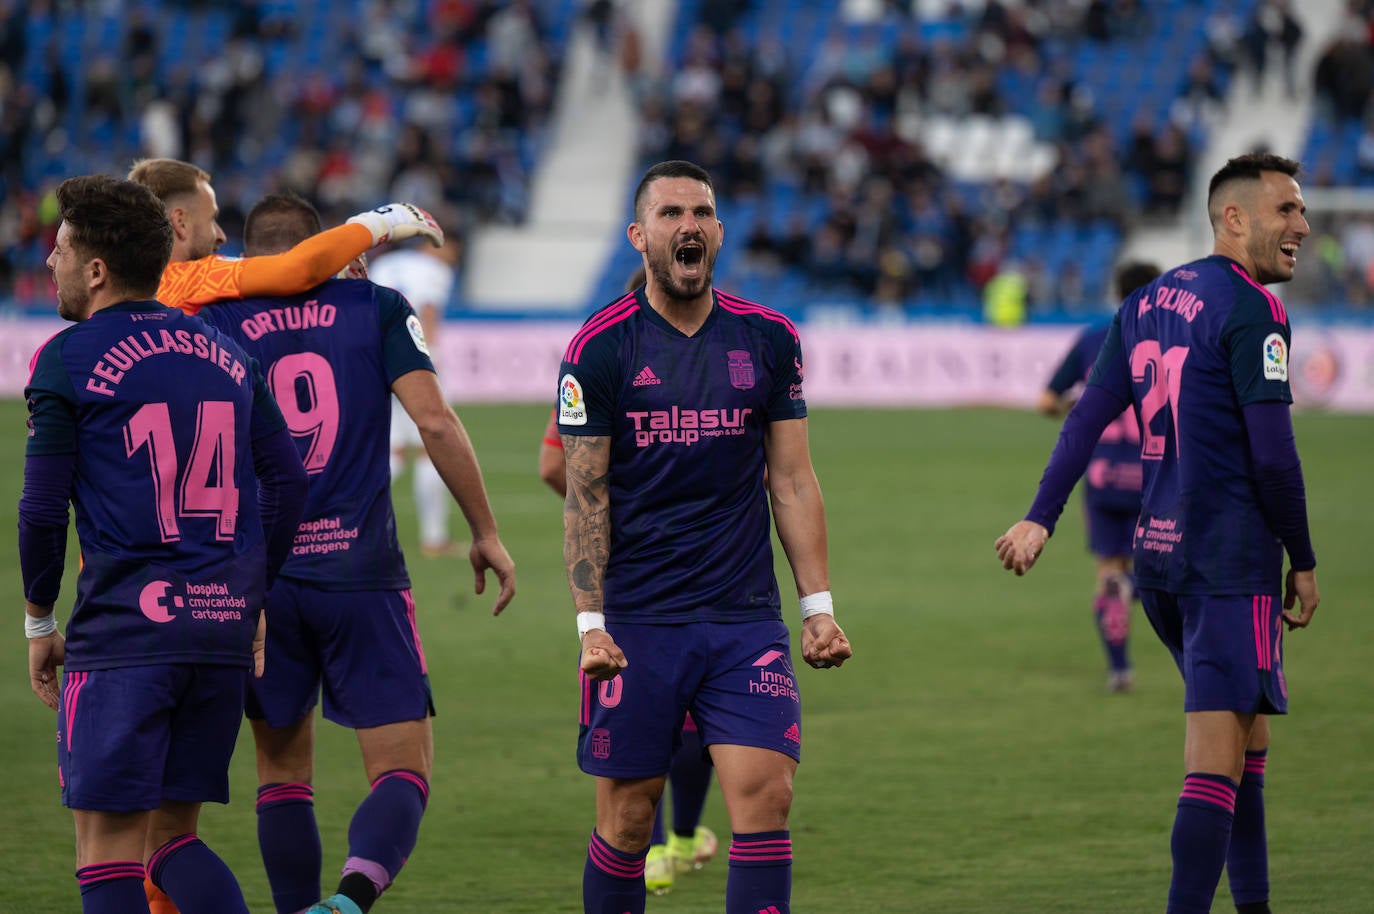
(112, 888)
(689, 780)
(1113, 615)
(1247, 858)
(383, 831)
(612, 880)
(196, 880)
(1202, 831)
(760, 878)
(290, 843)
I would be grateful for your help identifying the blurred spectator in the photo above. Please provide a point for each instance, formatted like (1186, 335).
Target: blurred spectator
(1201, 101)
(1273, 24)
(453, 97)
(1167, 178)
(1344, 76)
(1005, 297)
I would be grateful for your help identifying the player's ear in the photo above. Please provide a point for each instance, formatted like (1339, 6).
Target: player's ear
(180, 221)
(1235, 217)
(97, 274)
(636, 235)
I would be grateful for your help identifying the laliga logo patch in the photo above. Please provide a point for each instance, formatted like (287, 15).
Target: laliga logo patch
(1275, 358)
(417, 334)
(572, 405)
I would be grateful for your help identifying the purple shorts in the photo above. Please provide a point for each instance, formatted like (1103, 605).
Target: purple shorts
(128, 738)
(736, 679)
(363, 647)
(1228, 648)
(1110, 531)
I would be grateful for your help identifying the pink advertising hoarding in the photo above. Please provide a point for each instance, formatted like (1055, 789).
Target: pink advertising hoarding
(892, 366)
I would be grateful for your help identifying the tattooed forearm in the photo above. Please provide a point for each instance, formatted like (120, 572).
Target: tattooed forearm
(586, 518)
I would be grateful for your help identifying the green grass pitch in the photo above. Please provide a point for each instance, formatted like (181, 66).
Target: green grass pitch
(968, 760)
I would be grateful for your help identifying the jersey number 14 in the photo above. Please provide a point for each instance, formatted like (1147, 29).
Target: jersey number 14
(207, 487)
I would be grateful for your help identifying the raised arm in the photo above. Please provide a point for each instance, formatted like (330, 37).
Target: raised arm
(306, 265)
(322, 256)
(191, 284)
(450, 449)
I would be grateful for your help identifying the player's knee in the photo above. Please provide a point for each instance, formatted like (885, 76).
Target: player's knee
(767, 803)
(776, 800)
(628, 829)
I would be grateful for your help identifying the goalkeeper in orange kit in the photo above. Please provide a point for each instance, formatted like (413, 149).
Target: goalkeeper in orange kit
(197, 276)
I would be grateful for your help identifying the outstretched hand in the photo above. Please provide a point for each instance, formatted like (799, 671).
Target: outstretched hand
(823, 642)
(490, 553)
(602, 659)
(1021, 545)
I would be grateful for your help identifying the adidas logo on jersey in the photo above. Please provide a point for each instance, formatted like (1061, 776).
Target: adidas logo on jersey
(646, 378)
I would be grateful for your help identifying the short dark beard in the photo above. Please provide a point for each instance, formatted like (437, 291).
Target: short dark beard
(663, 278)
(68, 312)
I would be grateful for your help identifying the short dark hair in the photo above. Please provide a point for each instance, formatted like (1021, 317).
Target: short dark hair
(123, 224)
(1249, 167)
(279, 222)
(1133, 274)
(673, 168)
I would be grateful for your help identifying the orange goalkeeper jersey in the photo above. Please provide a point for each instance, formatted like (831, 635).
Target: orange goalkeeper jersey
(192, 284)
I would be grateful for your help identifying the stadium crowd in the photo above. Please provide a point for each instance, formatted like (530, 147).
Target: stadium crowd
(443, 101)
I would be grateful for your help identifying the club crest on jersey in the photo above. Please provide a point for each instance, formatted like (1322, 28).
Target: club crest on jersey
(572, 405)
(417, 334)
(1275, 358)
(741, 369)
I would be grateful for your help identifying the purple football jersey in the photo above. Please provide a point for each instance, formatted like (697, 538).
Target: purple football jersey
(330, 356)
(686, 417)
(1190, 350)
(161, 412)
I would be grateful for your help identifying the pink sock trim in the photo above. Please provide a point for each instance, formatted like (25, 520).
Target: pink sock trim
(419, 782)
(105, 872)
(612, 862)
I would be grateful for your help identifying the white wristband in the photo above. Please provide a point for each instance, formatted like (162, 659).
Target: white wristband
(588, 621)
(814, 603)
(39, 626)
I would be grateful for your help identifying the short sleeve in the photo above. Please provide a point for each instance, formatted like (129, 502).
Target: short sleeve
(404, 348)
(787, 399)
(1258, 342)
(587, 391)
